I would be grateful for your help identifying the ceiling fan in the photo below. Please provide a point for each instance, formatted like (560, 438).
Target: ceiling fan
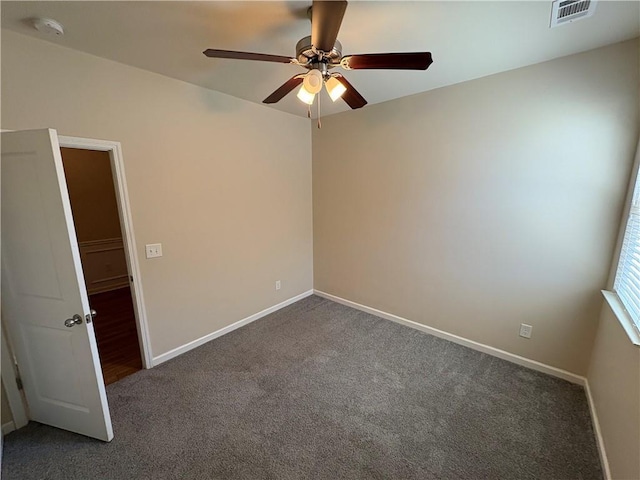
(321, 52)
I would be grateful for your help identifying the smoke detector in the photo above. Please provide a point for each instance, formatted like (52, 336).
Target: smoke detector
(48, 26)
(567, 11)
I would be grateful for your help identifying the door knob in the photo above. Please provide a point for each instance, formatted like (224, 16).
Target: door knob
(75, 320)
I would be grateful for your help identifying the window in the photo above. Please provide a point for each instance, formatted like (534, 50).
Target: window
(627, 280)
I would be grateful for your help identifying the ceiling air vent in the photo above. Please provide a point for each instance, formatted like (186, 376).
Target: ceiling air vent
(566, 11)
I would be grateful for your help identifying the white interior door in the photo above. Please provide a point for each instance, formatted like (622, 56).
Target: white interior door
(43, 287)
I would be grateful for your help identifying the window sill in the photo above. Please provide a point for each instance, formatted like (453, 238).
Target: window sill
(623, 317)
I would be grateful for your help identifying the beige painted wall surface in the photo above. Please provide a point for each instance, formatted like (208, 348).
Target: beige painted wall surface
(477, 207)
(614, 380)
(5, 411)
(223, 184)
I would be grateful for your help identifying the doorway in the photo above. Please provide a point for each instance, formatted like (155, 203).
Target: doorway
(91, 185)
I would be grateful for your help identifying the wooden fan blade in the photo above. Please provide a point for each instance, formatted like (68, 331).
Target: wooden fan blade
(352, 97)
(326, 18)
(284, 89)
(388, 61)
(213, 53)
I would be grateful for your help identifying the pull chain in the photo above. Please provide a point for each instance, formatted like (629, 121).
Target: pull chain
(319, 122)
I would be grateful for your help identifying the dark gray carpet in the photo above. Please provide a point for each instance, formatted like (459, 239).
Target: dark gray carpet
(321, 391)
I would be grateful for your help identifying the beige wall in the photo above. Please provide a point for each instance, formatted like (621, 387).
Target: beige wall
(477, 207)
(614, 380)
(223, 184)
(92, 194)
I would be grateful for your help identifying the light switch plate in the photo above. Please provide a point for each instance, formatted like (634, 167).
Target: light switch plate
(153, 250)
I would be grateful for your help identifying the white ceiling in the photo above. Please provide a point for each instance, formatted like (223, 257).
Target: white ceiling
(467, 39)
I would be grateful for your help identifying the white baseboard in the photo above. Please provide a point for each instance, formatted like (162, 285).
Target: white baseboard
(511, 357)
(229, 328)
(604, 461)
(8, 427)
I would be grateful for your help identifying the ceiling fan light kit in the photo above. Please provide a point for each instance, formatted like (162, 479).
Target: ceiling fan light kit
(305, 95)
(335, 89)
(312, 85)
(313, 81)
(320, 52)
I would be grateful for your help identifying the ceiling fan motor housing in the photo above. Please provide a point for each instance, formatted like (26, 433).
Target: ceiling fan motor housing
(307, 55)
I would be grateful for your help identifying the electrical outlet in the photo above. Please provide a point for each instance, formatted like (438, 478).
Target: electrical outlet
(525, 330)
(278, 285)
(153, 250)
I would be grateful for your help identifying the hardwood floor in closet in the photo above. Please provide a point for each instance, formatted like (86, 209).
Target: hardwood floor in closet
(116, 334)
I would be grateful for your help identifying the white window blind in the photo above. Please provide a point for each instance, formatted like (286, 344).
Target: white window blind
(627, 281)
